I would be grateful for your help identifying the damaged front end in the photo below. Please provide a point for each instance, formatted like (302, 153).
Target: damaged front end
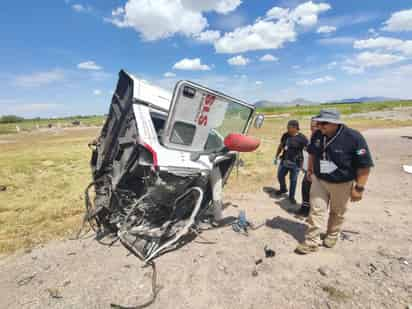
(152, 162)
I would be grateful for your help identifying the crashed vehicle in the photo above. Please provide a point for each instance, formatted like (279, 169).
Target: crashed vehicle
(162, 160)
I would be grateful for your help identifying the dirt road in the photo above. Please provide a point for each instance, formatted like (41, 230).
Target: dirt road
(370, 268)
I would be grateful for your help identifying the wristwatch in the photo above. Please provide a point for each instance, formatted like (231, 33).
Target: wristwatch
(359, 188)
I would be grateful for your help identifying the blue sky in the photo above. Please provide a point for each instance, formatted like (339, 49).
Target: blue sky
(61, 57)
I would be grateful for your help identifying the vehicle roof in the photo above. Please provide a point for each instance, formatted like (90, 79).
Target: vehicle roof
(151, 94)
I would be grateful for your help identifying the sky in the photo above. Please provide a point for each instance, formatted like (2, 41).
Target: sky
(62, 57)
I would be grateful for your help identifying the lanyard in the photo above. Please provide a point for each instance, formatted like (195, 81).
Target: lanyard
(326, 144)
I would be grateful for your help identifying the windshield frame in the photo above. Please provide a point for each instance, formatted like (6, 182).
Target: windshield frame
(172, 119)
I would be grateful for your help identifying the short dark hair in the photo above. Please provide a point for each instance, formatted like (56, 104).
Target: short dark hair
(293, 123)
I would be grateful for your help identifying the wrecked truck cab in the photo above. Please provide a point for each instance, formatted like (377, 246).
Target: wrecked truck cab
(153, 161)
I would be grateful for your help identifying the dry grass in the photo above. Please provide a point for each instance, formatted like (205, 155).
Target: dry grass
(46, 173)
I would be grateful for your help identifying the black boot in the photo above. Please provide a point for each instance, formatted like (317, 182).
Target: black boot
(280, 192)
(303, 211)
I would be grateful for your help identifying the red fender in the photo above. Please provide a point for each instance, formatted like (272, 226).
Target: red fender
(241, 143)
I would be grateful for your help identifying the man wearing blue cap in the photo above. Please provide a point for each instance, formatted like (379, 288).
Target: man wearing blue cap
(339, 166)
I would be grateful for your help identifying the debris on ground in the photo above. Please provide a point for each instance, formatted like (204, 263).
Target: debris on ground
(241, 224)
(54, 293)
(323, 271)
(255, 273)
(372, 269)
(3, 188)
(407, 169)
(269, 253)
(259, 261)
(334, 293)
(26, 280)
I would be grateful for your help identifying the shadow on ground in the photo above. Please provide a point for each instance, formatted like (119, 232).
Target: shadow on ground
(270, 191)
(281, 200)
(293, 228)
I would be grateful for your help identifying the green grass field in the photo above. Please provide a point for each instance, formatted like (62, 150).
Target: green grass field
(33, 124)
(46, 172)
(345, 109)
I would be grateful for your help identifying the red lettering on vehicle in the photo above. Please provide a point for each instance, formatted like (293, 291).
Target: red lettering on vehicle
(202, 120)
(207, 104)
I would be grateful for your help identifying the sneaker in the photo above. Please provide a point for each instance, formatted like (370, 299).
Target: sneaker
(330, 242)
(280, 192)
(303, 211)
(305, 248)
(292, 201)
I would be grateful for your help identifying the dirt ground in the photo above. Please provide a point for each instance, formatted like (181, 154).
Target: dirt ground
(370, 268)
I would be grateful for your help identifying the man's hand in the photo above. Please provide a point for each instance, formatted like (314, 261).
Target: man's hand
(309, 174)
(356, 196)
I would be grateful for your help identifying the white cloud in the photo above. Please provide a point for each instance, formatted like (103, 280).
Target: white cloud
(78, 7)
(332, 65)
(89, 65)
(259, 36)
(307, 13)
(365, 60)
(39, 79)
(373, 32)
(169, 74)
(258, 82)
(343, 40)
(386, 43)
(238, 61)
(97, 92)
(156, 20)
(191, 65)
(209, 36)
(352, 70)
(81, 8)
(269, 58)
(272, 32)
(399, 21)
(316, 81)
(296, 67)
(118, 12)
(375, 59)
(220, 6)
(326, 29)
(159, 19)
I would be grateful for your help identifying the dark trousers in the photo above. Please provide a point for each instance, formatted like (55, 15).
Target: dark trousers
(306, 192)
(293, 171)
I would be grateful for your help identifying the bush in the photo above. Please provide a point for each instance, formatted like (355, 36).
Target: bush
(11, 119)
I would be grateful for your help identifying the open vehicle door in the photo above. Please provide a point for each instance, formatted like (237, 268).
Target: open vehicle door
(200, 118)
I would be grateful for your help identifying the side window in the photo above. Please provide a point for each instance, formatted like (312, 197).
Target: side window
(183, 133)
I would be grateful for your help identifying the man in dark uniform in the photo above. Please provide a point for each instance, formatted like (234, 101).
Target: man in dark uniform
(339, 166)
(290, 151)
(306, 182)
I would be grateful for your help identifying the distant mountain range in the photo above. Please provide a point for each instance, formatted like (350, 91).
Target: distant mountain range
(368, 99)
(301, 101)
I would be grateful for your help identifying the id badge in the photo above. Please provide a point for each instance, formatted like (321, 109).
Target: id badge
(327, 167)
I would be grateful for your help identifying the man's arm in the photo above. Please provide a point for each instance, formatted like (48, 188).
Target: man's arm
(310, 168)
(362, 175)
(280, 148)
